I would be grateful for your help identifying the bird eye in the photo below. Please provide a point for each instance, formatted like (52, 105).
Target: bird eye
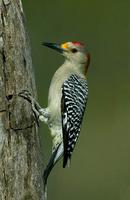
(74, 50)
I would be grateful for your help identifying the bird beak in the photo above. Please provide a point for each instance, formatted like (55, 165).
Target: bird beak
(54, 46)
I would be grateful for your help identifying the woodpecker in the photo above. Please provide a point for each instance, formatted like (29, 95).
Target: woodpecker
(67, 98)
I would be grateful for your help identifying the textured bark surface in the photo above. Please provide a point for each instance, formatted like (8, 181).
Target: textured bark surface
(20, 164)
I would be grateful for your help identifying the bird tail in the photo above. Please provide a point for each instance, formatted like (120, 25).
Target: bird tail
(55, 157)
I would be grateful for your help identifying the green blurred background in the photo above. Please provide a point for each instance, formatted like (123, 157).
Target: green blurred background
(100, 167)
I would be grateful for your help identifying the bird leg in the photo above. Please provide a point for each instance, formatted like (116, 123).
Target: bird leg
(39, 112)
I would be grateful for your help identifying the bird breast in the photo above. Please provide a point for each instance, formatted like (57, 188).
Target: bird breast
(55, 93)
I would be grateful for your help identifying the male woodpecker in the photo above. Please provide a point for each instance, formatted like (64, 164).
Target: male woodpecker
(67, 99)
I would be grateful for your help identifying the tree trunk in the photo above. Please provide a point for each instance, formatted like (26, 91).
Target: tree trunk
(20, 160)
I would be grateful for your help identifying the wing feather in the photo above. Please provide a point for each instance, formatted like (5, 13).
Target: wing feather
(73, 103)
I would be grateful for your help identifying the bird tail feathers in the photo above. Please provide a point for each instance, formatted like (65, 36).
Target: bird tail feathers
(55, 157)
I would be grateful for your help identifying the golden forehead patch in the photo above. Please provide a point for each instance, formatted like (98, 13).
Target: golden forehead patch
(65, 45)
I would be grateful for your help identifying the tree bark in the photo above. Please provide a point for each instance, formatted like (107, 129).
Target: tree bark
(20, 160)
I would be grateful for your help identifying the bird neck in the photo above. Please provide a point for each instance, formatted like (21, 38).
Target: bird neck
(78, 68)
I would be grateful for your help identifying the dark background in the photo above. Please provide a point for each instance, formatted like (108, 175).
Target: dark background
(100, 167)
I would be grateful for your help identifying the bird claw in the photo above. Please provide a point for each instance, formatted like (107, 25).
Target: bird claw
(35, 106)
(26, 95)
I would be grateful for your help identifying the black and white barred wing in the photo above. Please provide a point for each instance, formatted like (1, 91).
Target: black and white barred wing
(74, 98)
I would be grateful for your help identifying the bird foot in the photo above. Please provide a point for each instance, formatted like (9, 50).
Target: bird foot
(37, 110)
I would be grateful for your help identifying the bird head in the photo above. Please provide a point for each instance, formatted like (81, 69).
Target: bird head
(74, 52)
